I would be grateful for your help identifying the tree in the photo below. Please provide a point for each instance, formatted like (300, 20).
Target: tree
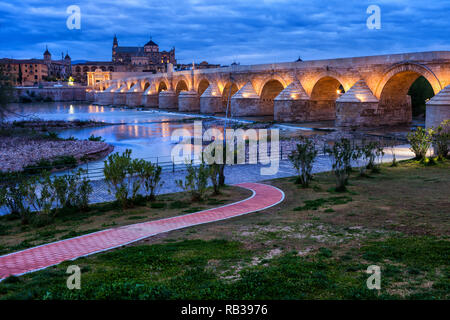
(440, 138)
(196, 181)
(341, 154)
(117, 171)
(147, 175)
(302, 159)
(420, 141)
(5, 94)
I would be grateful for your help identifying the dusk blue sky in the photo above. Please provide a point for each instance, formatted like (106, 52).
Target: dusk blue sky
(223, 31)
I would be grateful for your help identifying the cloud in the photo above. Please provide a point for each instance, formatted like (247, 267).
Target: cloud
(219, 31)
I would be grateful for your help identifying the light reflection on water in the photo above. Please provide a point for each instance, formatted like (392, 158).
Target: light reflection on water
(144, 132)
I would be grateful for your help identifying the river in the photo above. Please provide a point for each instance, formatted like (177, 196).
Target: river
(146, 132)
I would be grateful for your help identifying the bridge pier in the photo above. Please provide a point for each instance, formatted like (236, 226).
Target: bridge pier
(150, 100)
(438, 108)
(322, 110)
(168, 100)
(150, 97)
(247, 103)
(120, 98)
(291, 104)
(357, 107)
(188, 101)
(134, 99)
(104, 98)
(211, 100)
(389, 78)
(392, 112)
(91, 95)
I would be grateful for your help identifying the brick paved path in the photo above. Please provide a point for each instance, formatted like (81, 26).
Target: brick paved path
(33, 259)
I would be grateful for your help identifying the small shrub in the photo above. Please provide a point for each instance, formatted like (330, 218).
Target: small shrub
(40, 194)
(94, 138)
(147, 175)
(302, 159)
(13, 195)
(52, 136)
(341, 155)
(420, 141)
(196, 181)
(379, 154)
(84, 190)
(73, 191)
(440, 138)
(392, 150)
(214, 175)
(325, 252)
(157, 205)
(116, 170)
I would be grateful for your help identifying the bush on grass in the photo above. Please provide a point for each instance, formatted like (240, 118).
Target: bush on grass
(302, 159)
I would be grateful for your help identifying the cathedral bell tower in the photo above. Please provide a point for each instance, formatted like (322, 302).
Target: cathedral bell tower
(47, 55)
(115, 45)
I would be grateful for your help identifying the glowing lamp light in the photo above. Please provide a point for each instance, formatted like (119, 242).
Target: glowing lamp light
(294, 95)
(70, 82)
(338, 91)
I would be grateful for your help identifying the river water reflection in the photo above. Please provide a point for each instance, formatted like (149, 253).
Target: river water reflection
(146, 132)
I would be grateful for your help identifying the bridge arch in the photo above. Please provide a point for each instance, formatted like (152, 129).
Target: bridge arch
(202, 86)
(229, 90)
(271, 78)
(130, 84)
(408, 68)
(324, 94)
(144, 85)
(163, 85)
(395, 104)
(269, 91)
(181, 86)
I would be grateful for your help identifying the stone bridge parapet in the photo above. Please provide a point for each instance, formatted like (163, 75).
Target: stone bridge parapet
(360, 91)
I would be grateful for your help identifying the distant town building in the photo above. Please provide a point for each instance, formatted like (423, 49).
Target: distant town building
(131, 59)
(201, 65)
(97, 76)
(80, 70)
(142, 59)
(28, 72)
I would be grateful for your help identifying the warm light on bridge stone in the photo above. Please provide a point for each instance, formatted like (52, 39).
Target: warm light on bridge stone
(246, 102)
(292, 103)
(357, 107)
(168, 99)
(262, 88)
(188, 101)
(211, 100)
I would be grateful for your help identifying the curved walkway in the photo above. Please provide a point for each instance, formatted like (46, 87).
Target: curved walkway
(44, 256)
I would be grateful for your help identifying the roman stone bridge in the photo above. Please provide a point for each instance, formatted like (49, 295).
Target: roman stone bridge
(362, 91)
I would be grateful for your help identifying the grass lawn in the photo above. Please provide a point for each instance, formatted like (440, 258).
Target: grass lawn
(317, 244)
(14, 236)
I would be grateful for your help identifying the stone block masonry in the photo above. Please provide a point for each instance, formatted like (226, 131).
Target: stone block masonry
(299, 91)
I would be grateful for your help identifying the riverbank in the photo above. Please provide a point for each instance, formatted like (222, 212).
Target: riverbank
(16, 127)
(17, 153)
(36, 144)
(317, 244)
